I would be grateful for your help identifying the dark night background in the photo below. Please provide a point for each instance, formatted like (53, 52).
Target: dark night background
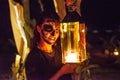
(102, 18)
(98, 14)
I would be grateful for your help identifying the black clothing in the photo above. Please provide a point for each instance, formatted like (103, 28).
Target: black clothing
(41, 66)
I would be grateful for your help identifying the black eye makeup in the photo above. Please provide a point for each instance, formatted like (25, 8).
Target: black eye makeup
(47, 28)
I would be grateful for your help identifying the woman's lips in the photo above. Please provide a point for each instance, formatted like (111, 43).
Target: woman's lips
(52, 38)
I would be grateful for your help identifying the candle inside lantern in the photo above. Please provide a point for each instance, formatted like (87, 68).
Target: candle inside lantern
(72, 58)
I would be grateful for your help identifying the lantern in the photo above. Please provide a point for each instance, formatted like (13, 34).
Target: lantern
(72, 35)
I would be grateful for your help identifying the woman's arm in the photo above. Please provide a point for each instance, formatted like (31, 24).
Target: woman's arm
(66, 69)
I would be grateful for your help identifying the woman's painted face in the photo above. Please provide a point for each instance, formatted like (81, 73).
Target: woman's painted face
(69, 2)
(50, 31)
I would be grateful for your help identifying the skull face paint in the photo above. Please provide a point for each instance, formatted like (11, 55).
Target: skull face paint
(50, 31)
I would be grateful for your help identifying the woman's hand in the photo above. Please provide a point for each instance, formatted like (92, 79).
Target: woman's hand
(65, 69)
(68, 68)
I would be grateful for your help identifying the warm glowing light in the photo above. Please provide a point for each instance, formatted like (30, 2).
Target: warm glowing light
(116, 53)
(73, 42)
(72, 58)
(83, 30)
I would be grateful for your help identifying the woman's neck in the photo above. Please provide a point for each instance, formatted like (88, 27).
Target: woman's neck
(45, 47)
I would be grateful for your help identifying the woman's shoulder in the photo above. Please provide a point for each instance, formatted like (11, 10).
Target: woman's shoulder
(34, 50)
(34, 53)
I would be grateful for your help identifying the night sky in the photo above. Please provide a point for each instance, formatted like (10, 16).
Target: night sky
(101, 13)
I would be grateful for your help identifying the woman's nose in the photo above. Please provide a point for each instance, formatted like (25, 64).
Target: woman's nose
(53, 33)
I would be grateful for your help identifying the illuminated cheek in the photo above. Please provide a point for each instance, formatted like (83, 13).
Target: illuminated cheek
(58, 36)
(46, 34)
(57, 32)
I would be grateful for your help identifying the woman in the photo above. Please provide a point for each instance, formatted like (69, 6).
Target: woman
(44, 60)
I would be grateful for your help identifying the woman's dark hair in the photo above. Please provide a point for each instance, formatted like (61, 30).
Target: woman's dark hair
(47, 15)
(39, 20)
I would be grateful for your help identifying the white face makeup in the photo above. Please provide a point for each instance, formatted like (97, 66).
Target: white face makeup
(50, 31)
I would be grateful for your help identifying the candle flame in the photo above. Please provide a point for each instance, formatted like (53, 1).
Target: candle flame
(72, 58)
